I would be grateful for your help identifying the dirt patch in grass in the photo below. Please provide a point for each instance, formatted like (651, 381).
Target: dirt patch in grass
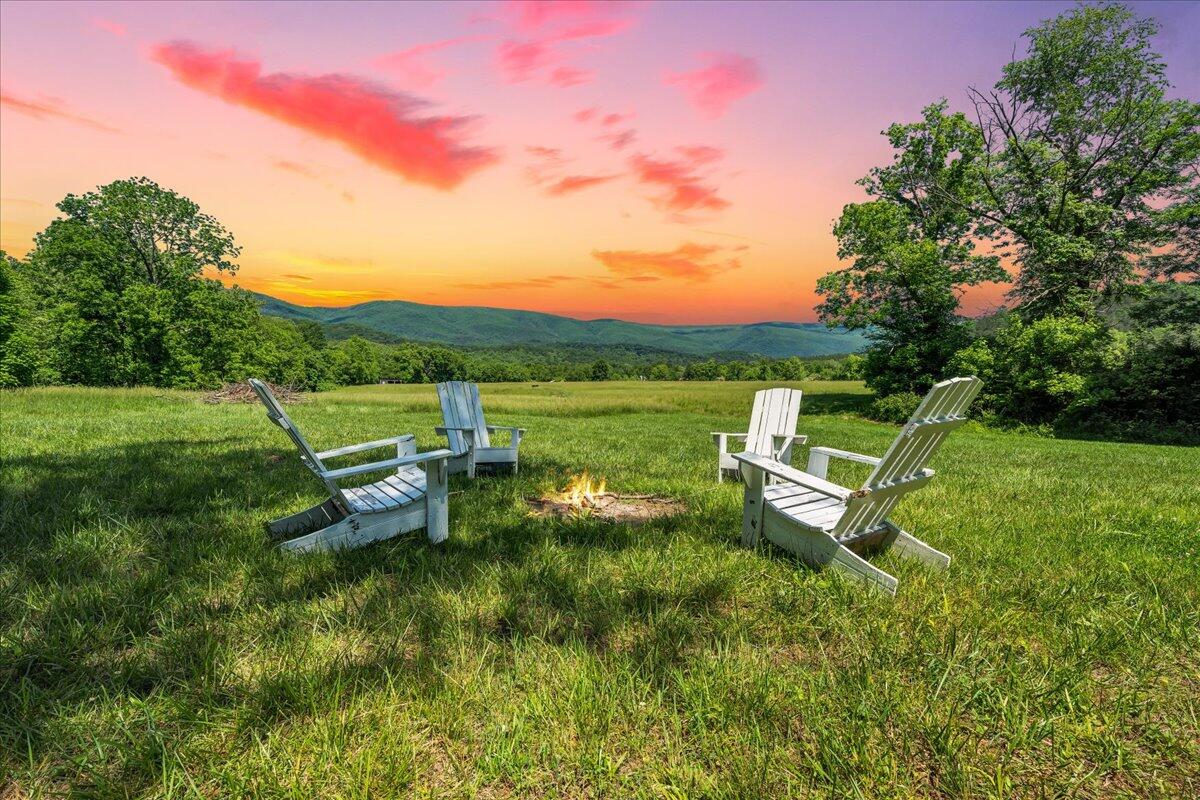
(242, 393)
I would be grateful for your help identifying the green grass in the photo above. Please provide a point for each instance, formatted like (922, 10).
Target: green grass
(153, 644)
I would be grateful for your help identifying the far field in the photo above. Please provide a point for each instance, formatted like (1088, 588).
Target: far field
(153, 644)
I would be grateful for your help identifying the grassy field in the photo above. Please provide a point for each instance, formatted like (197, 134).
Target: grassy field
(152, 644)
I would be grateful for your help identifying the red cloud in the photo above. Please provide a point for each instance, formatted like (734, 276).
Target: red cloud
(726, 78)
(575, 183)
(694, 262)
(50, 108)
(115, 28)
(683, 189)
(410, 65)
(585, 114)
(380, 126)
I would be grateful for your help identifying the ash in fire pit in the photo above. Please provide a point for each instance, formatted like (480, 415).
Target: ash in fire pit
(586, 497)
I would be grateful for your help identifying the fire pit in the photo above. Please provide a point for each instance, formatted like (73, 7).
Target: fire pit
(586, 497)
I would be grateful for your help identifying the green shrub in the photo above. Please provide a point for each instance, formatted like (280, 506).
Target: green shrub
(896, 408)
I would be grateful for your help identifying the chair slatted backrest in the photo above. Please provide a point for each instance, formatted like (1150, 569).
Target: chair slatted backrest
(903, 467)
(277, 415)
(775, 412)
(461, 408)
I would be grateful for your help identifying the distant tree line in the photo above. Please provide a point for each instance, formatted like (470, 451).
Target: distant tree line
(121, 291)
(1077, 179)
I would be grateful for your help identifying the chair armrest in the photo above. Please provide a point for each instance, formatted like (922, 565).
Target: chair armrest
(782, 443)
(818, 459)
(719, 438)
(787, 439)
(845, 455)
(358, 448)
(400, 461)
(494, 428)
(793, 475)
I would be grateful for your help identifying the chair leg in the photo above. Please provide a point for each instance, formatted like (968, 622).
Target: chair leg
(437, 526)
(849, 562)
(910, 546)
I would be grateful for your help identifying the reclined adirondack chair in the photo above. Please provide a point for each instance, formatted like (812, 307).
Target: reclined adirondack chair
(772, 431)
(410, 498)
(469, 434)
(824, 523)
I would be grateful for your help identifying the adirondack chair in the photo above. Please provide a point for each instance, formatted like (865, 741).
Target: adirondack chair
(825, 523)
(469, 434)
(772, 431)
(410, 498)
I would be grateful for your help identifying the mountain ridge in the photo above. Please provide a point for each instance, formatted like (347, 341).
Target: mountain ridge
(484, 326)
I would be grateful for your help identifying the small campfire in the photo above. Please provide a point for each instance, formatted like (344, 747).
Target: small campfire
(585, 496)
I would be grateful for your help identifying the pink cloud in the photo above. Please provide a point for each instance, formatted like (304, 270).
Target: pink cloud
(383, 127)
(569, 76)
(51, 108)
(115, 28)
(529, 16)
(713, 88)
(575, 183)
(411, 65)
(620, 140)
(689, 261)
(682, 190)
(585, 114)
(545, 31)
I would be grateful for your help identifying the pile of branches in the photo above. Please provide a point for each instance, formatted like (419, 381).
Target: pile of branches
(241, 392)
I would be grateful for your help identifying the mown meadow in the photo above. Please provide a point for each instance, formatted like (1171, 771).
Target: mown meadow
(153, 644)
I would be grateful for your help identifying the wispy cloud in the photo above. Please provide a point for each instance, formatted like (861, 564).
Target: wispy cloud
(412, 65)
(682, 189)
(575, 183)
(689, 261)
(548, 171)
(620, 140)
(555, 281)
(293, 167)
(108, 26)
(543, 32)
(49, 108)
(386, 128)
(725, 78)
(604, 121)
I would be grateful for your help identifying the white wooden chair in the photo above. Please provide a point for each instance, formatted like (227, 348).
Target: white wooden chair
(824, 523)
(772, 431)
(410, 498)
(469, 434)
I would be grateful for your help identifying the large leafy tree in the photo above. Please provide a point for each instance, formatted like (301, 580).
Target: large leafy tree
(911, 253)
(121, 280)
(157, 236)
(1089, 168)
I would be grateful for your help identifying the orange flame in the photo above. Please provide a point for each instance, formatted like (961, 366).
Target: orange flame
(582, 491)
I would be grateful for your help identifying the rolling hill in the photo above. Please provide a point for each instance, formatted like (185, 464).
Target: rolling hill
(475, 326)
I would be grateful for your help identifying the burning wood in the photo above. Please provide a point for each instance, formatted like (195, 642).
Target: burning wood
(585, 496)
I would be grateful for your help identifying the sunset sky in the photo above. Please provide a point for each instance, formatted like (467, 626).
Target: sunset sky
(658, 162)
